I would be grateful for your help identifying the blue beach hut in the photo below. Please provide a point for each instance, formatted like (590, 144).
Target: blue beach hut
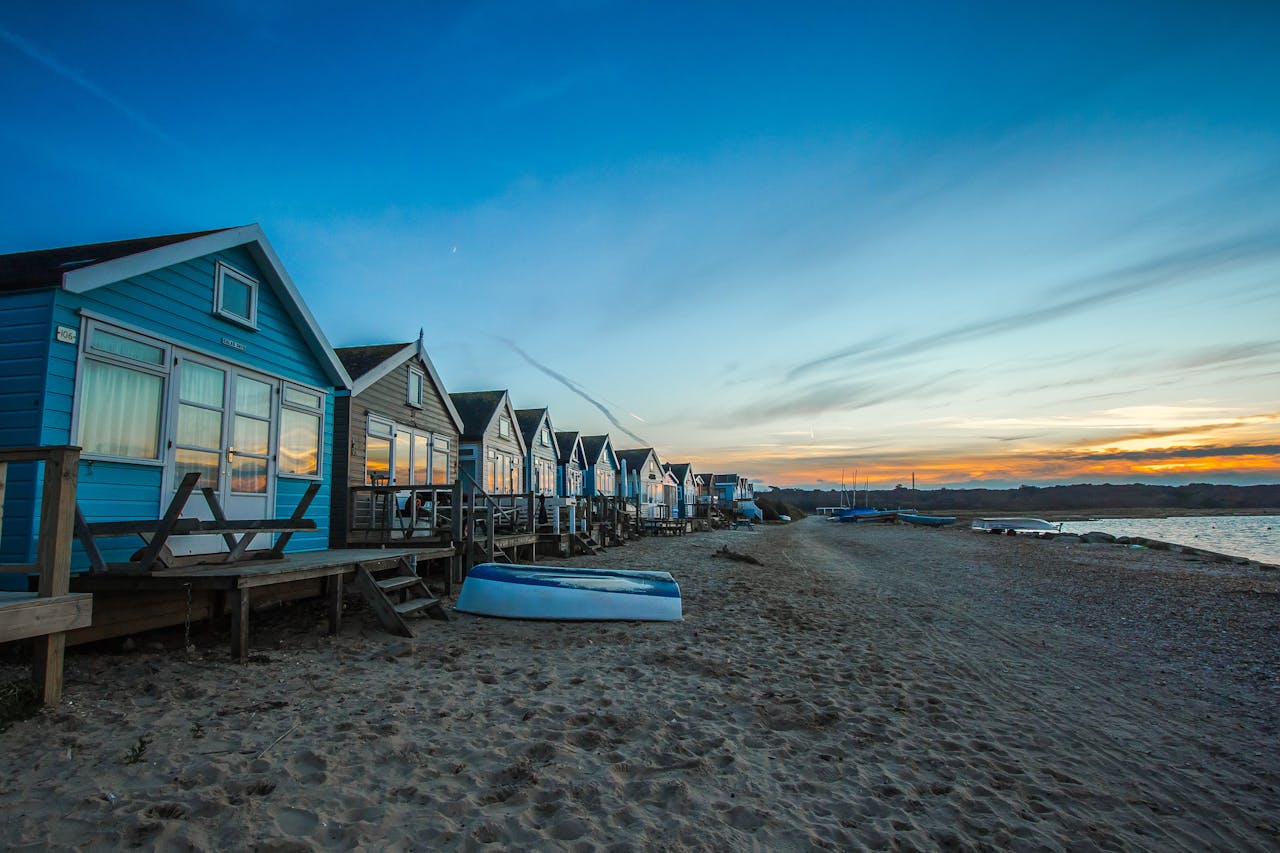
(158, 357)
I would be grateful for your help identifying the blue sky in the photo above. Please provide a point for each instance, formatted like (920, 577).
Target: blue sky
(1001, 244)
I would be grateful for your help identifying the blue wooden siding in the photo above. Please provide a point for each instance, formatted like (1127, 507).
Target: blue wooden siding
(25, 332)
(174, 303)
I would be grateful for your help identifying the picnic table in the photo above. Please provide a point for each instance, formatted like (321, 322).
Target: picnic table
(237, 533)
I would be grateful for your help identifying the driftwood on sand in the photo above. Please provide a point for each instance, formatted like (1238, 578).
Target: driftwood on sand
(729, 554)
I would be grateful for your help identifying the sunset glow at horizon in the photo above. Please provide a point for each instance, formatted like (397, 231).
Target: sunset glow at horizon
(992, 245)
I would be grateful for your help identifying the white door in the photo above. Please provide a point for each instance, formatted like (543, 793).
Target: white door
(223, 428)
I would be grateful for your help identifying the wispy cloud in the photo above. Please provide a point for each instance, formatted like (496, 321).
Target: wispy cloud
(1091, 293)
(37, 54)
(846, 396)
(575, 388)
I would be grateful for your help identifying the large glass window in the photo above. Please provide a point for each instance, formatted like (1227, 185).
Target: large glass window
(301, 421)
(121, 395)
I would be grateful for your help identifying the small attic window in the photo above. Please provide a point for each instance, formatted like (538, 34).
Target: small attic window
(235, 295)
(417, 387)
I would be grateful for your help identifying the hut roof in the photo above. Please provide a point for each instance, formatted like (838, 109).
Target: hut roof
(360, 360)
(45, 268)
(530, 420)
(476, 408)
(593, 446)
(565, 442)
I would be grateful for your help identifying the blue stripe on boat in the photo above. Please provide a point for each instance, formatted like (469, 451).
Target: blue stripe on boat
(629, 582)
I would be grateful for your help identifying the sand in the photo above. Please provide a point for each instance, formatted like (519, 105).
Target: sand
(865, 687)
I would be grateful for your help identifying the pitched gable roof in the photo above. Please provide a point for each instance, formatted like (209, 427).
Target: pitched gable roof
(594, 445)
(79, 269)
(361, 360)
(530, 420)
(680, 469)
(636, 457)
(46, 267)
(566, 443)
(477, 409)
(367, 365)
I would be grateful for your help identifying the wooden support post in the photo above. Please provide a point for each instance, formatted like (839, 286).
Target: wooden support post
(455, 532)
(96, 563)
(4, 475)
(335, 602)
(299, 512)
(211, 498)
(239, 624)
(152, 551)
(53, 556)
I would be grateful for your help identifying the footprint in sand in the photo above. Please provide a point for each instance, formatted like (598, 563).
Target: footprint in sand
(291, 821)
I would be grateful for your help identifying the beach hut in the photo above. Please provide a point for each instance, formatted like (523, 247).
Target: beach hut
(201, 392)
(686, 488)
(600, 478)
(395, 439)
(572, 464)
(645, 483)
(491, 449)
(160, 357)
(541, 456)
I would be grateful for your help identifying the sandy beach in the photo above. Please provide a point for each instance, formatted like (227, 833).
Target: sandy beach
(865, 687)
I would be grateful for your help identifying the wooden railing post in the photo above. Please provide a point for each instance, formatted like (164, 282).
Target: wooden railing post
(455, 533)
(53, 556)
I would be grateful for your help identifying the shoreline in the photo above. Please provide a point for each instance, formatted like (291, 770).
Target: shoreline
(887, 684)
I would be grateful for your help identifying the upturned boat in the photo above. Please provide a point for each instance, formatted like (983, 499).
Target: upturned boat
(927, 520)
(1015, 525)
(573, 594)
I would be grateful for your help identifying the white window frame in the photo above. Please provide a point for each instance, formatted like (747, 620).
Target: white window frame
(220, 272)
(504, 427)
(415, 373)
(164, 370)
(285, 386)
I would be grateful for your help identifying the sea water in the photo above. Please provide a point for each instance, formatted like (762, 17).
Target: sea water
(1254, 536)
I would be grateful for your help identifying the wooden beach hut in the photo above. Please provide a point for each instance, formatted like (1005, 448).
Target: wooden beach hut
(201, 392)
(571, 466)
(601, 474)
(644, 481)
(163, 356)
(541, 455)
(395, 439)
(491, 468)
(686, 502)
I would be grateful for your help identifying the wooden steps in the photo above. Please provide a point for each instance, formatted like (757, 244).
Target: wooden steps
(398, 593)
(583, 544)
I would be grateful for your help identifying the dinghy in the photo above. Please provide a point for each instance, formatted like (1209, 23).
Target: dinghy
(1015, 525)
(927, 520)
(551, 592)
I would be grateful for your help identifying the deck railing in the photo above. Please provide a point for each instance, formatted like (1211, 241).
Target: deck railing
(53, 564)
(387, 513)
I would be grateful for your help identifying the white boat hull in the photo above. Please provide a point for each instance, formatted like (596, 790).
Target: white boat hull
(569, 594)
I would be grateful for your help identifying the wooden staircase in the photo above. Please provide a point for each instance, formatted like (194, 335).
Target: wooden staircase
(397, 593)
(581, 543)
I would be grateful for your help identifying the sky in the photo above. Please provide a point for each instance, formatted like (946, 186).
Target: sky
(986, 243)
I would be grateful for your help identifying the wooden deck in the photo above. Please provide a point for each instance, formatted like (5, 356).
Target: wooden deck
(238, 580)
(665, 526)
(25, 614)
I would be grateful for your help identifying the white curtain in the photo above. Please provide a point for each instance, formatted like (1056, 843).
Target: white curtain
(120, 411)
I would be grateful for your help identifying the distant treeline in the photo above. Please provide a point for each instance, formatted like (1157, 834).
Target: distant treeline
(1079, 497)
